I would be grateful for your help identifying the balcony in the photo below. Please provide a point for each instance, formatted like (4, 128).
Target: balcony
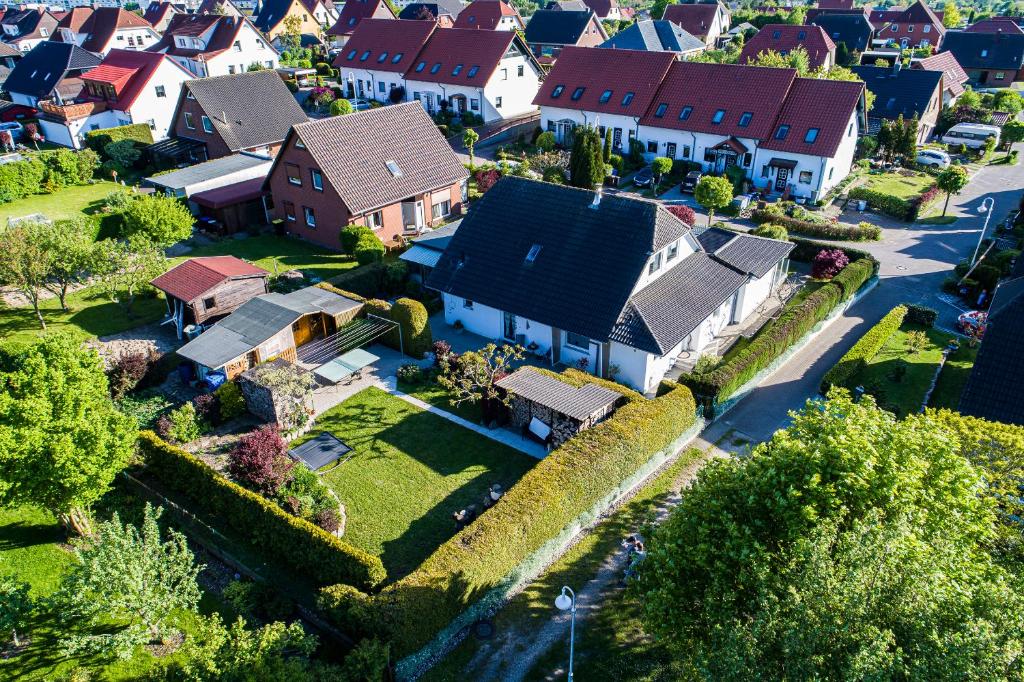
(73, 111)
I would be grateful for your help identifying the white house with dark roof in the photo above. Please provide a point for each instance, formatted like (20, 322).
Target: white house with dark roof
(616, 285)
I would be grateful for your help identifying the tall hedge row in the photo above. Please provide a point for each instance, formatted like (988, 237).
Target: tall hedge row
(566, 484)
(889, 204)
(852, 277)
(863, 350)
(807, 249)
(295, 542)
(859, 233)
(137, 132)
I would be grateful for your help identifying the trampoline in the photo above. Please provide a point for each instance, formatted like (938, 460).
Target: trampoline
(319, 452)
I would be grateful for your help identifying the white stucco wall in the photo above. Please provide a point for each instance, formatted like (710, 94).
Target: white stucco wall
(516, 92)
(550, 117)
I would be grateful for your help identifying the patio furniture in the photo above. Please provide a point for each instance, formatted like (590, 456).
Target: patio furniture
(349, 366)
(321, 451)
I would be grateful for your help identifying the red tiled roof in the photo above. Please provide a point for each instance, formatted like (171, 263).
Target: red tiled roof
(355, 11)
(594, 70)
(995, 25)
(694, 19)
(193, 278)
(815, 103)
(225, 30)
(602, 8)
(101, 25)
(142, 64)
(734, 89)
(835, 4)
(785, 38)
(157, 11)
(118, 76)
(74, 18)
(476, 52)
(881, 17)
(192, 24)
(484, 14)
(387, 39)
(954, 75)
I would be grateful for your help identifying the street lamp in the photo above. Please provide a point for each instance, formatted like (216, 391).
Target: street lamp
(566, 601)
(987, 210)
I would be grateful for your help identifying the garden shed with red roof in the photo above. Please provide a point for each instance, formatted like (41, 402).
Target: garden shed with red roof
(200, 290)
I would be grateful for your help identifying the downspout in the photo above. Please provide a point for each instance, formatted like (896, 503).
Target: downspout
(693, 148)
(821, 178)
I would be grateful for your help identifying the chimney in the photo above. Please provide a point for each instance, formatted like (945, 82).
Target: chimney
(597, 199)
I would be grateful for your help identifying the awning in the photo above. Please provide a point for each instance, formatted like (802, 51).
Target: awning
(782, 163)
(422, 255)
(229, 195)
(175, 147)
(731, 144)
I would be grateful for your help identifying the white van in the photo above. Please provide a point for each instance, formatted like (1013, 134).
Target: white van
(971, 134)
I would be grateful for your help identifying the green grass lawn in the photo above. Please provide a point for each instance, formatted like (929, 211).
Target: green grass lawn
(903, 394)
(953, 378)
(905, 187)
(434, 394)
(66, 203)
(410, 470)
(288, 252)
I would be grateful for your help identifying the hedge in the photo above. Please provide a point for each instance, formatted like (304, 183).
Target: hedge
(861, 233)
(807, 249)
(308, 549)
(549, 498)
(888, 204)
(99, 139)
(921, 315)
(863, 350)
(413, 320)
(778, 336)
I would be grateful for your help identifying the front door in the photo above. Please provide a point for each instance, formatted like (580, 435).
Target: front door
(508, 326)
(670, 150)
(617, 138)
(780, 179)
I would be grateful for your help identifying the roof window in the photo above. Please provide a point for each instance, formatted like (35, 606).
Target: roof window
(472, 71)
(811, 136)
(745, 119)
(782, 132)
(364, 56)
(351, 55)
(577, 93)
(457, 70)
(435, 68)
(382, 58)
(719, 115)
(685, 113)
(397, 58)
(393, 169)
(605, 96)
(891, 104)
(420, 66)
(801, 35)
(534, 252)
(776, 34)
(660, 111)
(557, 92)
(627, 98)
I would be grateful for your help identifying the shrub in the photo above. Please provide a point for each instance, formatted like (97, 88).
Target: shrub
(295, 542)
(207, 409)
(352, 611)
(259, 600)
(771, 230)
(126, 373)
(350, 235)
(442, 351)
(369, 249)
(184, 426)
(98, 140)
(987, 277)
(486, 178)
(684, 213)
(341, 107)
(863, 232)
(362, 282)
(806, 249)
(328, 519)
(853, 276)
(393, 277)
(888, 204)
(920, 315)
(231, 400)
(828, 263)
(546, 141)
(410, 374)
(20, 179)
(414, 322)
(863, 350)
(260, 461)
(554, 174)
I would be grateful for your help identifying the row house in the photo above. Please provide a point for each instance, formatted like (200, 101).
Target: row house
(389, 169)
(785, 38)
(103, 29)
(490, 15)
(215, 45)
(708, 21)
(352, 13)
(793, 136)
(488, 73)
(551, 31)
(127, 87)
(23, 29)
(915, 26)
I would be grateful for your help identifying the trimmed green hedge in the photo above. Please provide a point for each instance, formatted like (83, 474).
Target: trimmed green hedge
(807, 249)
(897, 207)
(137, 132)
(866, 348)
(308, 549)
(860, 233)
(366, 280)
(413, 320)
(566, 484)
(778, 336)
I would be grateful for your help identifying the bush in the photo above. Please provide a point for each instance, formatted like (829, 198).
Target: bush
(888, 204)
(341, 107)
(352, 611)
(684, 213)
(806, 249)
(369, 249)
(207, 409)
(394, 274)
(184, 426)
(987, 277)
(920, 315)
(97, 140)
(410, 374)
(566, 484)
(231, 400)
(546, 141)
(350, 235)
(853, 276)
(554, 174)
(295, 542)
(260, 461)
(866, 347)
(362, 282)
(21, 179)
(771, 231)
(413, 320)
(863, 232)
(258, 600)
(828, 263)
(126, 373)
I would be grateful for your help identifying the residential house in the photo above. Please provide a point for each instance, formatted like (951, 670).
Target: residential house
(490, 73)
(313, 16)
(707, 20)
(444, 13)
(996, 25)
(835, 4)
(550, 31)
(993, 388)
(954, 78)
(215, 45)
(225, 7)
(426, 249)
(490, 15)
(567, 5)
(605, 10)
(159, 15)
(377, 56)
(104, 29)
(387, 168)
(904, 92)
(9, 56)
(353, 12)
(25, 28)
(244, 112)
(853, 29)
(656, 36)
(784, 38)
(614, 284)
(127, 87)
(267, 327)
(51, 70)
(993, 60)
(793, 136)
(915, 26)
(201, 290)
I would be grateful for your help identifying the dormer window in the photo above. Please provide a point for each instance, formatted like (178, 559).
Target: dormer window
(397, 58)
(534, 252)
(351, 55)
(660, 111)
(984, 53)
(891, 103)
(605, 96)
(364, 56)
(577, 93)
(44, 32)
(782, 132)
(472, 71)
(719, 115)
(420, 66)
(557, 92)
(627, 98)
(238, 46)
(382, 58)
(685, 113)
(457, 70)
(811, 136)
(655, 264)
(352, 21)
(745, 118)
(435, 68)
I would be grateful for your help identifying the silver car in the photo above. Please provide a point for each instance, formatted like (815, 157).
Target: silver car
(933, 157)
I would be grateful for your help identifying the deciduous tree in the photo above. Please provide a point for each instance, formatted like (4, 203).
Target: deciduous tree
(126, 267)
(160, 219)
(472, 376)
(951, 15)
(713, 193)
(25, 263)
(72, 253)
(951, 180)
(470, 138)
(16, 606)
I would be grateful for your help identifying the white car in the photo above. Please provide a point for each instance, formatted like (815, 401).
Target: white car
(933, 157)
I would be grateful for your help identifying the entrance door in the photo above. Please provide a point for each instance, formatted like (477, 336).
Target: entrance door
(419, 216)
(670, 150)
(508, 326)
(780, 179)
(617, 138)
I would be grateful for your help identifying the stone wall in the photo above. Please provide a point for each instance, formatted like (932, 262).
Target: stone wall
(261, 401)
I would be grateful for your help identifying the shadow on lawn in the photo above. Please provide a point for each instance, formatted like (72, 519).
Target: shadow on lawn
(21, 534)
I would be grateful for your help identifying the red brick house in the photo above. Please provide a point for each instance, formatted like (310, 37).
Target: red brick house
(916, 26)
(784, 38)
(387, 168)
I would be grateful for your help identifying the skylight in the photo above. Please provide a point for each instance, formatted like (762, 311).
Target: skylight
(891, 104)
(577, 93)
(745, 119)
(685, 113)
(472, 71)
(781, 133)
(393, 169)
(364, 56)
(627, 98)
(811, 136)
(397, 58)
(534, 252)
(660, 111)
(435, 68)
(776, 35)
(457, 70)
(351, 54)
(420, 66)
(719, 115)
(382, 58)
(605, 96)
(801, 35)
(557, 92)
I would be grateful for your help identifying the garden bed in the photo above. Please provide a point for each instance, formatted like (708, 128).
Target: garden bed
(953, 378)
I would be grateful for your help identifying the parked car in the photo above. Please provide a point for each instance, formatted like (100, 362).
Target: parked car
(644, 177)
(359, 104)
(973, 323)
(933, 157)
(689, 183)
(14, 128)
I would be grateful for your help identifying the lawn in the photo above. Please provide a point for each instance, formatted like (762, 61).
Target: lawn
(953, 378)
(434, 394)
(66, 203)
(277, 254)
(897, 389)
(903, 186)
(409, 472)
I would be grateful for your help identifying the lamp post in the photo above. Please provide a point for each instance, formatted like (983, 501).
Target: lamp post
(566, 601)
(987, 210)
